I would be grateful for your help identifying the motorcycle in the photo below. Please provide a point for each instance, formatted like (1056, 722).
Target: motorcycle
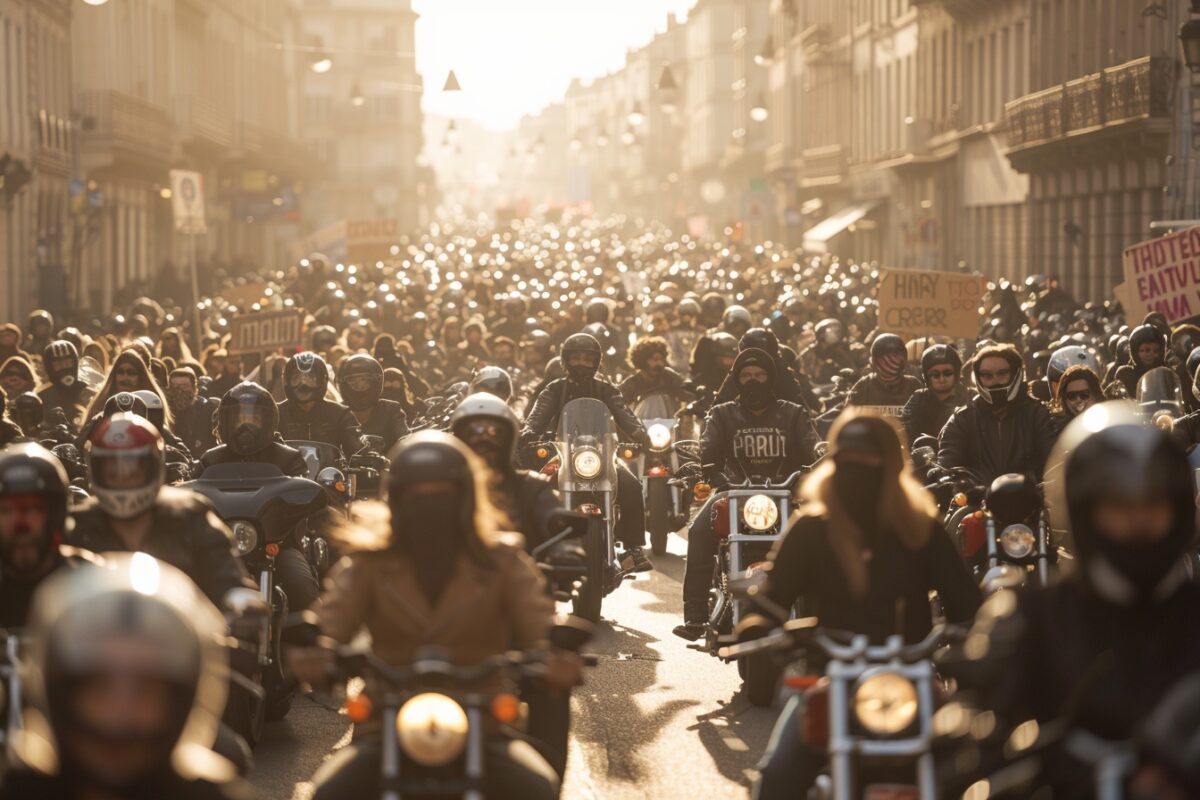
(435, 719)
(587, 477)
(748, 520)
(872, 709)
(1160, 397)
(666, 505)
(1016, 544)
(263, 508)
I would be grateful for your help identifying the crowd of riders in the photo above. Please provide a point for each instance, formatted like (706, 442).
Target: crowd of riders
(448, 363)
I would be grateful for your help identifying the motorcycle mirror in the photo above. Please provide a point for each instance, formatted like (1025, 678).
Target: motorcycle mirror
(570, 632)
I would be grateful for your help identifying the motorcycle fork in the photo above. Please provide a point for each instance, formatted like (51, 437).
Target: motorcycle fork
(389, 767)
(476, 745)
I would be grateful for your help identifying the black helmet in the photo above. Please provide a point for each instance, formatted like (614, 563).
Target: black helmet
(554, 369)
(247, 418)
(60, 350)
(580, 343)
(305, 378)
(360, 380)
(597, 310)
(736, 320)
(432, 456)
(72, 335)
(1108, 453)
(603, 335)
(322, 337)
(154, 408)
(688, 307)
(1144, 334)
(28, 411)
(829, 331)
(724, 345)
(493, 380)
(124, 401)
(712, 306)
(30, 469)
(485, 417)
(760, 339)
(937, 354)
(42, 317)
(886, 343)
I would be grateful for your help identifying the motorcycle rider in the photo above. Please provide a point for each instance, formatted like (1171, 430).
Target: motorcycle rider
(886, 384)
(1078, 390)
(33, 518)
(788, 385)
(28, 413)
(927, 410)
(131, 510)
(40, 327)
(757, 437)
(10, 431)
(439, 575)
(247, 421)
(16, 376)
(226, 372)
(580, 355)
(192, 413)
(125, 676)
(493, 380)
(711, 361)
(1125, 496)
(489, 427)
(306, 414)
(864, 553)
(1003, 429)
(60, 359)
(360, 381)
(1147, 349)
(648, 357)
(828, 354)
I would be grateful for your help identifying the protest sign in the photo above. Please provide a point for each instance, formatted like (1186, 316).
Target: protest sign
(928, 303)
(1163, 275)
(266, 331)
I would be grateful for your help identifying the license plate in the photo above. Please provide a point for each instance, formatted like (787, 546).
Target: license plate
(890, 791)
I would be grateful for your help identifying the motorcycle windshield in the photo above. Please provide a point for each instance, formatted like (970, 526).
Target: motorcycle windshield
(1159, 390)
(585, 417)
(318, 455)
(260, 492)
(655, 406)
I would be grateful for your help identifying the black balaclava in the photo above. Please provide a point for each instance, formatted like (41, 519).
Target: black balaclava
(431, 528)
(753, 395)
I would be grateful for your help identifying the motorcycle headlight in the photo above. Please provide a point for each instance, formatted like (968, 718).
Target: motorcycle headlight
(587, 463)
(432, 729)
(886, 703)
(1164, 420)
(1017, 541)
(660, 436)
(245, 537)
(760, 513)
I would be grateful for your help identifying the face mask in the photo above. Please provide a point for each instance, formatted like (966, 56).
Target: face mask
(1145, 564)
(756, 395)
(246, 439)
(858, 487)
(580, 374)
(429, 527)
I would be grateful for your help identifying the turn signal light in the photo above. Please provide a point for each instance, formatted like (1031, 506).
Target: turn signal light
(542, 452)
(627, 453)
(506, 708)
(701, 491)
(960, 499)
(657, 472)
(272, 549)
(358, 708)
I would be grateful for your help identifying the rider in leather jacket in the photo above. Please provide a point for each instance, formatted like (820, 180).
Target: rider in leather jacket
(306, 414)
(61, 362)
(1003, 429)
(927, 410)
(887, 384)
(247, 420)
(360, 380)
(648, 357)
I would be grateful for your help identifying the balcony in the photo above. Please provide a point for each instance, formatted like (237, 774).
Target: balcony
(203, 123)
(126, 131)
(1101, 103)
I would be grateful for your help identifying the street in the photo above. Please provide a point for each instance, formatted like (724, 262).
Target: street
(655, 718)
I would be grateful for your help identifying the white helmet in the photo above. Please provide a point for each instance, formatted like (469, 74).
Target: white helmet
(126, 464)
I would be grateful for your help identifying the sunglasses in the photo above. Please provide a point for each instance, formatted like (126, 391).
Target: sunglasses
(480, 429)
(941, 373)
(1071, 397)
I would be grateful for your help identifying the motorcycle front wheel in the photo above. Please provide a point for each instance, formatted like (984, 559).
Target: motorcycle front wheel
(760, 677)
(588, 598)
(658, 514)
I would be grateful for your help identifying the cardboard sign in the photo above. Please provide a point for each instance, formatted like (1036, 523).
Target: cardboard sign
(1164, 275)
(266, 331)
(929, 303)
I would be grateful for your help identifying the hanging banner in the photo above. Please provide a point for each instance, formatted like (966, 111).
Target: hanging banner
(930, 303)
(1163, 275)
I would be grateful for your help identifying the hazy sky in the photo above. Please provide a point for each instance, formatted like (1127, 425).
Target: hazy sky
(514, 57)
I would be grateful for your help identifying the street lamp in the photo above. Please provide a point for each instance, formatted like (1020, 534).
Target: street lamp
(759, 111)
(1189, 40)
(637, 116)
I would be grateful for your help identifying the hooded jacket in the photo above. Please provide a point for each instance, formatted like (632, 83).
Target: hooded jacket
(739, 444)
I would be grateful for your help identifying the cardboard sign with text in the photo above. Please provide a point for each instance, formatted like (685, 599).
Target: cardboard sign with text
(1163, 275)
(929, 303)
(266, 331)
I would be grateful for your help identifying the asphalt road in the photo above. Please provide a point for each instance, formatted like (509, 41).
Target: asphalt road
(655, 720)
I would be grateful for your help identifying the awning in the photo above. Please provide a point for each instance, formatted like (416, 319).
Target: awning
(816, 238)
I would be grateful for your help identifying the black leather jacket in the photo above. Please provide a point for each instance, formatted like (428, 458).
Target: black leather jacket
(327, 422)
(870, 391)
(738, 444)
(925, 414)
(185, 533)
(73, 401)
(991, 446)
(542, 419)
(289, 460)
(670, 383)
(388, 421)
(194, 425)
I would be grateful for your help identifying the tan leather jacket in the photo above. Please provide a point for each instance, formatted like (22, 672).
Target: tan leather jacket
(486, 609)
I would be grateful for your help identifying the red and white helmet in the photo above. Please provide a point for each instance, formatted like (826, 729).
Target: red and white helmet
(127, 465)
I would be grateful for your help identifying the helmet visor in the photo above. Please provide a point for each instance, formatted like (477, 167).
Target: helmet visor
(308, 379)
(125, 469)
